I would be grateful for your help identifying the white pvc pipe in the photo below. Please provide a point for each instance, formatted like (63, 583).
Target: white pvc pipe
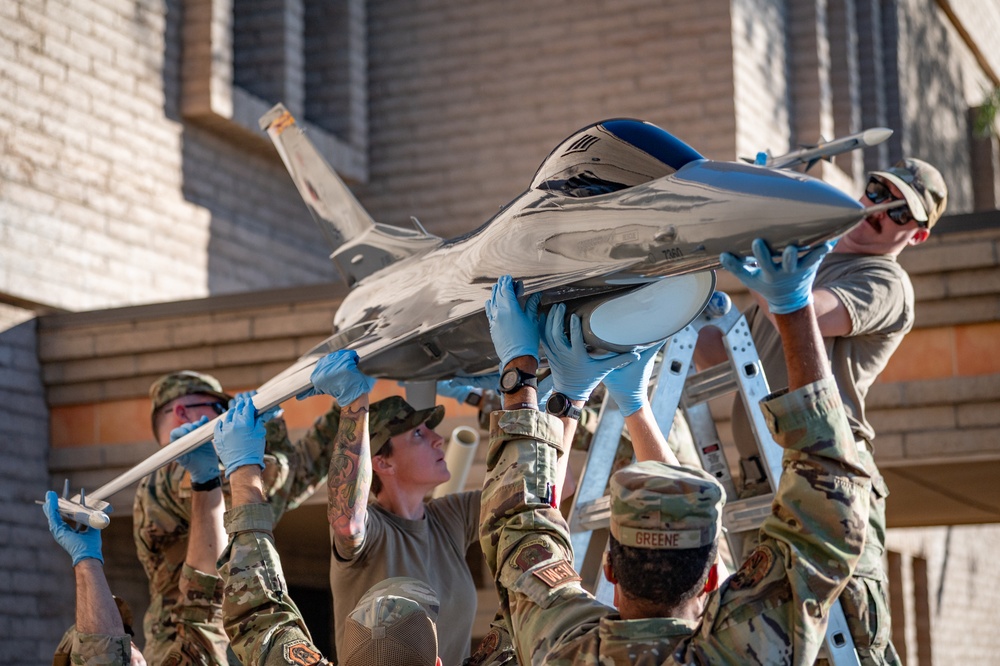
(459, 455)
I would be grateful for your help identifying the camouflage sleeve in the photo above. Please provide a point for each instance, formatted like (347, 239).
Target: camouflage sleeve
(264, 623)
(774, 608)
(161, 516)
(526, 540)
(197, 615)
(302, 466)
(101, 650)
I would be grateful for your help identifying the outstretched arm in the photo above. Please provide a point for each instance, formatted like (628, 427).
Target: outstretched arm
(350, 476)
(100, 633)
(350, 479)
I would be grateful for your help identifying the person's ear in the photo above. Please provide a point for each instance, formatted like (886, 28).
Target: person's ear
(712, 582)
(609, 571)
(382, 465)
(919, 236)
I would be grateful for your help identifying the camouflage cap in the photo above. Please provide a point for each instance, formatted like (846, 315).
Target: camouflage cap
(393, 623)
(178, 384)
(922, 186)
(394, 416)
(656, 505)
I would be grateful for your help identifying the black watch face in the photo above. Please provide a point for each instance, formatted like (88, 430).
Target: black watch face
(557, 404)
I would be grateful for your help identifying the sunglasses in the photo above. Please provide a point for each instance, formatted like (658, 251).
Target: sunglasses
(877, 192)
(217, 407)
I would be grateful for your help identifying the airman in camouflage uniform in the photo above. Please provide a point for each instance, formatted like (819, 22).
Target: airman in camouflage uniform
(161, 522)
(773, 610)
(392, 623)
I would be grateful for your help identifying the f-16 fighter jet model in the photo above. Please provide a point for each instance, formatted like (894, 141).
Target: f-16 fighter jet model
(622, 221)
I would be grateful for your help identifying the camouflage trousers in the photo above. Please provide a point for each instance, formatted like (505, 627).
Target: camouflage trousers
(865, 600)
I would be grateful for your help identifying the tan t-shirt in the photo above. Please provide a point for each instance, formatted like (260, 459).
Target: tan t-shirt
(431, 550)
(878, 296)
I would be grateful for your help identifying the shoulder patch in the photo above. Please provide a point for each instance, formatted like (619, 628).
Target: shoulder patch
(753, 570)
(532, 554)
(556, 574)
(301, 653)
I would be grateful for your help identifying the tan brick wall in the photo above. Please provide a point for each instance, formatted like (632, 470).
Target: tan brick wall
(107, 197)
(760, 79)
(467, 99)
(939, 80)
(962, 592)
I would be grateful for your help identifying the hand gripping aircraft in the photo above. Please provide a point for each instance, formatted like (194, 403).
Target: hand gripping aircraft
(622, 221)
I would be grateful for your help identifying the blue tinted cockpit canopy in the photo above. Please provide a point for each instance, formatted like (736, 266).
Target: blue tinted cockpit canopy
(612, 155)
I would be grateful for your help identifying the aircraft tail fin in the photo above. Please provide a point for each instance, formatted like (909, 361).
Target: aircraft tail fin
(360, 245)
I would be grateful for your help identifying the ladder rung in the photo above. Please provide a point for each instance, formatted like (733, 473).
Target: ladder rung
(709, 383)
(743, 515)
(592, 515)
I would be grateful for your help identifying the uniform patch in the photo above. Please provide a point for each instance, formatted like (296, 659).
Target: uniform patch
(753, 570)
(301, 653)
(531, 555)
(556, 574)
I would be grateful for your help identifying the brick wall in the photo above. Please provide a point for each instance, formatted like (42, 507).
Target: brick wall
(760, 74)
(952, 570)
(36, 578)
(107, 197)
(939, 79)
(460, 120)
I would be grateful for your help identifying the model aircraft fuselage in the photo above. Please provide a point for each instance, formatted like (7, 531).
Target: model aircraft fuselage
(581, 235)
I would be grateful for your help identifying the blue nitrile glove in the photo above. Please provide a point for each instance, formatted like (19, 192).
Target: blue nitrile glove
(459, 388)
(514, 330)
(239, 436)
(575, 372)
(79, 545)
(337, 374)
(263, 416)
(202, 463)
(786, 285)
(629, 384)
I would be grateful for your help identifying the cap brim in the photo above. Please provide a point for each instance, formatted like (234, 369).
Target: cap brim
(432, 417)
(913, 198)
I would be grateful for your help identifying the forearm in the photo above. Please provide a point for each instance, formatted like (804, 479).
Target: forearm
(96, 612)
(805, 354)
(648, 441)
(821, 504)
(207, 538)
(246, 486)
(262, 616)
(350, 478)
(565, 481)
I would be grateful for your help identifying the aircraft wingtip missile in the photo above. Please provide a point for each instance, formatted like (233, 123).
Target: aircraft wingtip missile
(875, 135)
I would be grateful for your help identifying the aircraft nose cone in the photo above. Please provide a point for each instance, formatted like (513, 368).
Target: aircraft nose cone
(780, 206)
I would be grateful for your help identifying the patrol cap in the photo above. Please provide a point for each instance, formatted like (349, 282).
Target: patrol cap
(394, 416)
(922, 186)
(186, 382)
(656, 505)
(395, 622)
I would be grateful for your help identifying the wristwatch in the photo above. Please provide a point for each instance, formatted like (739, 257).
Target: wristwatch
(205, 486)
(559, 404)
(515, 379)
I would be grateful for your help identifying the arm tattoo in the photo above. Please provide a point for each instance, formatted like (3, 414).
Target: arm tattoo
(349, 481)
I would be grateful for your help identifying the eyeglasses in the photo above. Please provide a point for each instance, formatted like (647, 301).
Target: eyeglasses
(217, 407)
(877, 192)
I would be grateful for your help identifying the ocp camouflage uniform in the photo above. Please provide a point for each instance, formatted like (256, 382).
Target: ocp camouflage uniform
(393, 622)
(161, 520)
(773, 610)
(266, 625)
(92, 649)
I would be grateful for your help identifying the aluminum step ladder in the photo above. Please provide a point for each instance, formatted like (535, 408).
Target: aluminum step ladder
(674, 384)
